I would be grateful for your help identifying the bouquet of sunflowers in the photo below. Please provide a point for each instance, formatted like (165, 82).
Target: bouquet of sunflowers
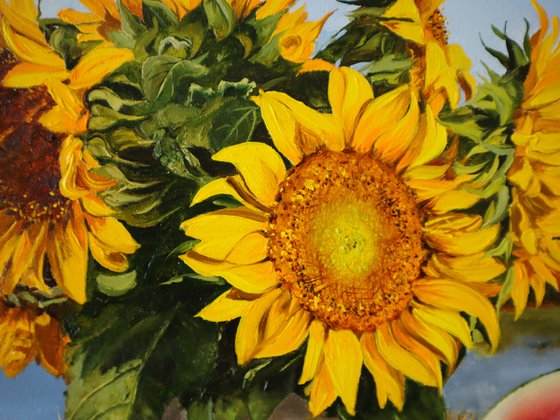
(203, 214)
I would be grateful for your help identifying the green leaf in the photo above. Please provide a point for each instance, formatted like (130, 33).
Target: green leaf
(221, 17)
(116, 284)
(163, 73)
(234, 123)
(131, 363)
(507, 287)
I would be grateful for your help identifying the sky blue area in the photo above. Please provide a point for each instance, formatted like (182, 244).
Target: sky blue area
(479, 381)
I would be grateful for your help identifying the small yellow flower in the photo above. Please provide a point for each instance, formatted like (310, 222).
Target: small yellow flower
(357, 248)
(441, 68)
(28, 335)
(535, 174)
(297, 36)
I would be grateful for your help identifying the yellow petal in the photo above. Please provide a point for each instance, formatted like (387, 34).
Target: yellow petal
(272, 7)
(451, 322)
(68, 256)
(520, 290)
(289, 338)
(66, 98)
(379, 116)
(251, 249)
(437, 339)
(96, 64)
(349, 91)
(323, 392)
(231, 185)
(470, 268)
(76, 17)
(30, 51)
(316, 65)
(249, 332)
(343, 357)
(21, 20)
(391, 145)
(252, 278)
(389, 383)
(400, 359)
(460, 234)
(259, 165)
(225, 308)
(450, 295)
(403, 18)
(111, 260)
(283, 116)
(112, 234)
(12, 243)
(314, 351)
(221, 230)
(27, 75)
(423, 353)
(433, 143)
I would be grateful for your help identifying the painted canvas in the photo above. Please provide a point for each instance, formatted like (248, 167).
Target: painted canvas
(266, 209)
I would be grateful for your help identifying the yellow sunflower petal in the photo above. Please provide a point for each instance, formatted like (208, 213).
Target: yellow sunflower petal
(68, 256)
(272, 7)
(108, 258)
(425, 355)
(11, 245)
(314, 351)
(96, 64)
(225, 308)
(520, 290)
(460, 234)
(251, 249)
(470, 268)
(379, 116)
(400, 359)
(323, 392)
(451, 295)
(20, 18)
(231, 185)
(389, 383)
(403, 18)
(451, 322)
(252, 278)
(349, 91)
(249, 332)
(27, 75)
(391, 145)
(221, 230)
(290, 337)
(437, 339)
(112, 234)
(283, 116)
(260, 166)
(343, 357)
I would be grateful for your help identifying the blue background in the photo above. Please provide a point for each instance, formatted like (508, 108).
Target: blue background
(479, 381)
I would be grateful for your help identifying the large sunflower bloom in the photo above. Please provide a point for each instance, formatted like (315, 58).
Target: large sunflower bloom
(50, 211)
(355, 248)
(441, 68)
(30, 335)
(535, 174)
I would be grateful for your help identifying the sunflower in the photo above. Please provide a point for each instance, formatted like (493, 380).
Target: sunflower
(28, 334)
(535, 174)
(297, 36)
(355, 249)
(440, 67)
(52, 209)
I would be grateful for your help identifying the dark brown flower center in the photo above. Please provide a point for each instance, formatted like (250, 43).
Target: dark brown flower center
(29, 168)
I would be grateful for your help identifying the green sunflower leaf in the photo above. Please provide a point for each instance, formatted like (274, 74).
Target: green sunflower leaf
(234, 123)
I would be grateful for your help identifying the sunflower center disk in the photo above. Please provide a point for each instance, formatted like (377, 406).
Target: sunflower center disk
(29, 169)
(346, 241)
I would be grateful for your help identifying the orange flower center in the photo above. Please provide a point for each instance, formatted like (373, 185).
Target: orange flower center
(346, 239)
(29, 169)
